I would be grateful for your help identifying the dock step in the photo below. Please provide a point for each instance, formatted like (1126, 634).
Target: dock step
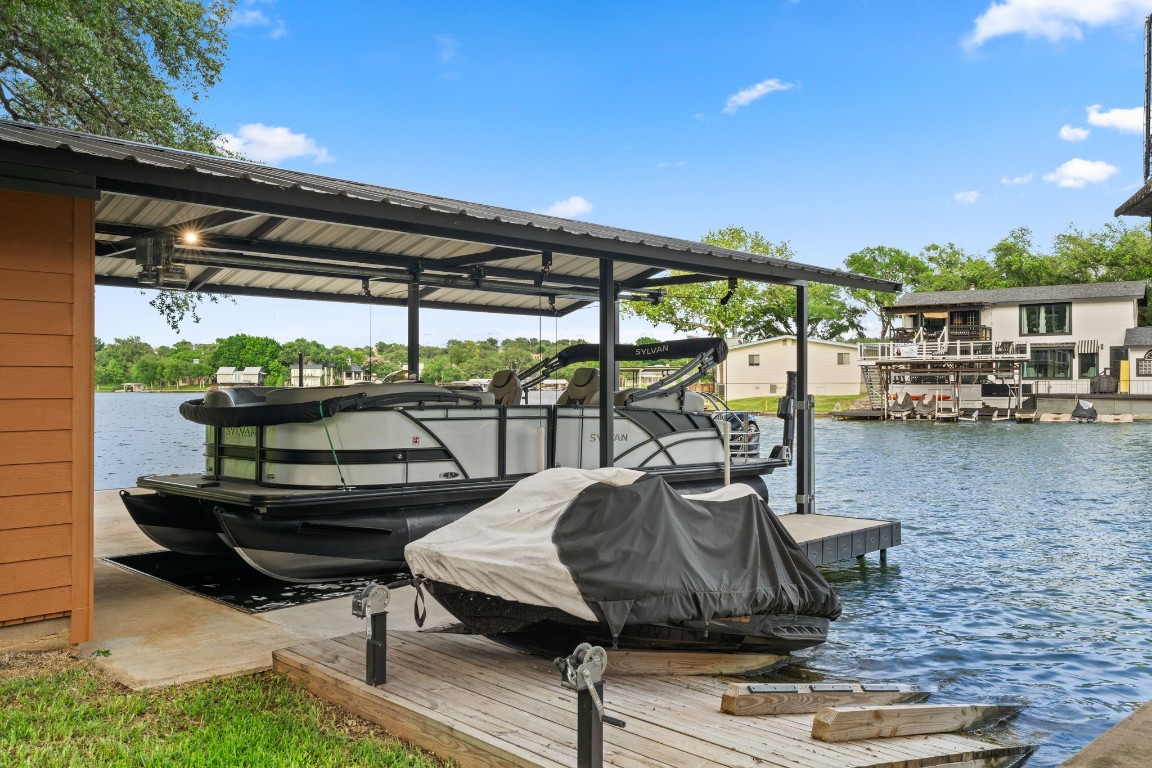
(796, 699)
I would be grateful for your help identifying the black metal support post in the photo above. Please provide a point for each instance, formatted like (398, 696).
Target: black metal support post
(376, 651)
(609, 325)
(414, 330)
(804, 424)
(300, 369)
(589, 729)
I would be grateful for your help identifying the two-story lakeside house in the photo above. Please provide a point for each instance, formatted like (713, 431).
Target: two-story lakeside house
(994, 347)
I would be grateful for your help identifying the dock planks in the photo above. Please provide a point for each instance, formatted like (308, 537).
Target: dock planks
(480, 704)
(830, 538)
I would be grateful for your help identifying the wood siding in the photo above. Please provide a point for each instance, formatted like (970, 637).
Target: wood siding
(46, 401)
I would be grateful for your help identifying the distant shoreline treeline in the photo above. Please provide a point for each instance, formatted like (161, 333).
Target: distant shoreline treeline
(195, 365)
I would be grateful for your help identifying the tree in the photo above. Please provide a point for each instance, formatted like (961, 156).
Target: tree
(955, 270)
(888, 264)
(116, 69)
(754, 310)
(242, 351)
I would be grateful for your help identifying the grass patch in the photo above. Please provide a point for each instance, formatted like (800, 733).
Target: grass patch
(65, 713)
(824, 403)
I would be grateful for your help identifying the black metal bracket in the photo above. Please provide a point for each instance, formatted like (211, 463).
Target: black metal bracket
(369, 604)
(582, 672)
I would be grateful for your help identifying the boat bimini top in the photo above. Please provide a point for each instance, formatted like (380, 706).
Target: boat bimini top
(703, 355)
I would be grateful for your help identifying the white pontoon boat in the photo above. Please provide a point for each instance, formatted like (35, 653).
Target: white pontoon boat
(313, 484)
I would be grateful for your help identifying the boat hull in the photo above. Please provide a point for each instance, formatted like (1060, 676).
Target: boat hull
(551, 632)
(310, 536)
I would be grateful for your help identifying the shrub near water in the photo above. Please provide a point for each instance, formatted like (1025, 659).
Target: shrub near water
(73, 716)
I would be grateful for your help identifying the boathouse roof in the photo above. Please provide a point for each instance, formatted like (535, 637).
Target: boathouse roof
(267, 231)
(1132, 289)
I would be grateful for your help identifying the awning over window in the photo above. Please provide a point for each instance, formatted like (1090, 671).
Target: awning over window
(1052, 345)
(1087, 346)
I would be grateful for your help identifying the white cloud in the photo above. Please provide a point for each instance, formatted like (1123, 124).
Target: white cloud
(748, 95)
(572, 208)
(272, 144)
(1077, 173)
(1068, 133)
(966, 198)
(1053, 20)
(1127, 120)
(1016, 181)
(670, 164)
(449, 48)
(248, 15)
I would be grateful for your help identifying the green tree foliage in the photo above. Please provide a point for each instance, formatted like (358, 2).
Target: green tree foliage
(753, 310)
(888, 264)
(124, 69)
(242, 350)
(116, 68)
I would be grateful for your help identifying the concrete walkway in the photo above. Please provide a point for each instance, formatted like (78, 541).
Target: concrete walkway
(148, 633)
(1128, 744)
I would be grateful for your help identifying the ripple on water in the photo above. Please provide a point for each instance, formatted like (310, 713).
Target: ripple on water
(1023, 573)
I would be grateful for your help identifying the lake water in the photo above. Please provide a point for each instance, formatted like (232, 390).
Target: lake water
(1025, 573)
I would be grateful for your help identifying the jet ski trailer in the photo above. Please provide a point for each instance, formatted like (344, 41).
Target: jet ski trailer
(322, 483)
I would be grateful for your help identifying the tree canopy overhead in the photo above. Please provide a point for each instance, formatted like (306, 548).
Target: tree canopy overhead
(113, 68)
(753, 310)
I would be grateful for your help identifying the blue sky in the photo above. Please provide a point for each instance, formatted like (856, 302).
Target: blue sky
(833, 125)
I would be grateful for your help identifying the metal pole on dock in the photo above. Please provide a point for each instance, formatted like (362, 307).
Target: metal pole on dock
(609, 325)
(805, 479)
(414, 328)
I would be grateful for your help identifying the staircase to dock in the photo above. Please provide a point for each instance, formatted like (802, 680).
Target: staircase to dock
(874, 385)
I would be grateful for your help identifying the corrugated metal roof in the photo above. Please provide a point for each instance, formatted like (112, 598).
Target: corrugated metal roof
(270, 231)
(1130, 289)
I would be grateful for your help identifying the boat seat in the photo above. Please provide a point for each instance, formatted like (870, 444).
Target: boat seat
(505, 388)
(667, 400)
(583, 389)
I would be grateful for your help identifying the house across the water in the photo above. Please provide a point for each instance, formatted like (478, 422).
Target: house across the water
(993, 347)
(759, 368)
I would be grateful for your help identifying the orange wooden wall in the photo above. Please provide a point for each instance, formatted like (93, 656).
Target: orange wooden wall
(46, 401)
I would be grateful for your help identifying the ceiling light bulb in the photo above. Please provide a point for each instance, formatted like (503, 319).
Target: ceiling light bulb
(191, 238)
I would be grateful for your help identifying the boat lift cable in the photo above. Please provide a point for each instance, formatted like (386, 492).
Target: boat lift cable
(331, 447)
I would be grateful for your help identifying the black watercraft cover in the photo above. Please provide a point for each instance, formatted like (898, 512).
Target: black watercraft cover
(622, 547)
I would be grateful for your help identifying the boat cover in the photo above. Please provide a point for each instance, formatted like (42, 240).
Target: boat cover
(622, 547)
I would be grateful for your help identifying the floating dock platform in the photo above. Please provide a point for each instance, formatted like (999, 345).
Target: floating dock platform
(481, 704)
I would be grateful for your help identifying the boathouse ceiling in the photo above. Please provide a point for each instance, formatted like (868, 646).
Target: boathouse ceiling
(218, 225)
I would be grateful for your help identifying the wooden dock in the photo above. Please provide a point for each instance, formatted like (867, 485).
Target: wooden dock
(831, 538)
(480, 704)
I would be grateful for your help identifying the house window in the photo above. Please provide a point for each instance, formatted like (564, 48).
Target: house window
(843, 358)
(1089, 362)
(1038, 319)
(753, 359)
(965, 317)
(1144, 364)
(1049, 364)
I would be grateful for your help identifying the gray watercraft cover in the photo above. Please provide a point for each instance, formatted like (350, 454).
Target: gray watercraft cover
(622, 547)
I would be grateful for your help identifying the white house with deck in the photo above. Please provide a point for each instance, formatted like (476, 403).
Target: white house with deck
(1051, 339)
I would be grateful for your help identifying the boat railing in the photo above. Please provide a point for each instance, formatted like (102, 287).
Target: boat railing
(743, 434)
(941, 347)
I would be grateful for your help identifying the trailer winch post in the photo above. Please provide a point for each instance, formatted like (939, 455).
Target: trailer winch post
(582, 672)
(369, 604)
